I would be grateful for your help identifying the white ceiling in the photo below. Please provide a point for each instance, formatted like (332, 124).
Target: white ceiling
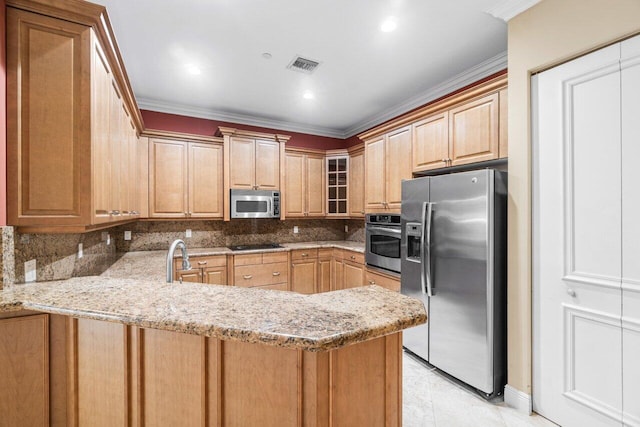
(365, 77)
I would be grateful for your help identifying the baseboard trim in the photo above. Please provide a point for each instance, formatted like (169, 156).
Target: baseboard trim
(517, 399)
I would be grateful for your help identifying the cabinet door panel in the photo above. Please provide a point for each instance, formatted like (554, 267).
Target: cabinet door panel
(324, 275)
(205, 180)
(474, 131)
(430, 144)
(267, 165)
(168, 178)
(304, 276)
(242, 168)
(295, 188)
(47, 97)
(353, 275)
(315, 183)
(24, 367)
(115, 132)
(356, 185)
(375, 175)
(397, 159)
(100, 136)
(215, 275)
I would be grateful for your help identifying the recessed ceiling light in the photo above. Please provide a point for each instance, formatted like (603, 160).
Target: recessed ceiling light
(308, 95)
(266, 55)
(192, 69)
(389, 24)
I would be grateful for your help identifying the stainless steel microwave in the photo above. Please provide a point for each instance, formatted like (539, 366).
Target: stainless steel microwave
(255, 204)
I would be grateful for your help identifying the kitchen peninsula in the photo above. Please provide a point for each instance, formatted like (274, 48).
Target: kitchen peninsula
(114, 351)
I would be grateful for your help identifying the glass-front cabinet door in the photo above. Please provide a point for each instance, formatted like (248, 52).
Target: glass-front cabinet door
(337, 179)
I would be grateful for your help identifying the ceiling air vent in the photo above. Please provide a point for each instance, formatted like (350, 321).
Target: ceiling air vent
(303, 65)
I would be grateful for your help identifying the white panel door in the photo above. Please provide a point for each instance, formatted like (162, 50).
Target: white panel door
(630, 65)
(577, 372)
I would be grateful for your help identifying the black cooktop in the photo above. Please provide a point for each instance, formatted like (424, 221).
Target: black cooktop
(254, 247)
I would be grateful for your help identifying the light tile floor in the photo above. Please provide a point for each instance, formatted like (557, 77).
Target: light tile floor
(430, 399)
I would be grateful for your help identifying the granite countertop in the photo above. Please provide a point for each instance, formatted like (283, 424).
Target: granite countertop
(316, 322)
(340, 244)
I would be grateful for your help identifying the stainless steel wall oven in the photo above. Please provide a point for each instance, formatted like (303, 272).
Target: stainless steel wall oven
(383, 234)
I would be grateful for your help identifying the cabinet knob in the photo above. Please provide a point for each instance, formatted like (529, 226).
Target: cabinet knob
(372, 282)
(304, 255)
(115, 212)
(276, 273)
(247, 276)
(202, 262)
(353, 257)
(571, 292)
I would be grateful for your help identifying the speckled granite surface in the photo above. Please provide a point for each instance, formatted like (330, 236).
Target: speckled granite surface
(317, 322)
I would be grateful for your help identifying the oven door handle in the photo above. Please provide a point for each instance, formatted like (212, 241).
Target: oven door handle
(394, 232)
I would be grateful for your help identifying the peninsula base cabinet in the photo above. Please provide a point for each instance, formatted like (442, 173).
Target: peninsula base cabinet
(109, 374)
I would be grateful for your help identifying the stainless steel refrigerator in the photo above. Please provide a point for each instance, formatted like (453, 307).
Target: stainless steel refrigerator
(453, 253)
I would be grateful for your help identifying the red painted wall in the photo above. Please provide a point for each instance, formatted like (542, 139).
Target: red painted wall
(177, 123)
(3, 114)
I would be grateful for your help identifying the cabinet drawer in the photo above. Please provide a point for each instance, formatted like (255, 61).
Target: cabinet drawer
(303, 254)
(260, 275)
(208, 261)
(247, 259)
(352, 256)
(325, 252)
(271, 257)
(390, 283)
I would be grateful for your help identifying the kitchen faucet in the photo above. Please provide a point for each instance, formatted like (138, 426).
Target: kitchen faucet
(186, 265)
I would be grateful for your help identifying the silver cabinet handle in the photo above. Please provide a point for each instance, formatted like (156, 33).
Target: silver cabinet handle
(115, 212)
(571, 292)
(304, 255)
(247, 277)
(353, 257)
(202, 262)
(276, 273)
(372, 282)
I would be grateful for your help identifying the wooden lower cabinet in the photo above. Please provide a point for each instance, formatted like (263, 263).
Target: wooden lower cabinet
(267, 270)
(348, 269)
(375, 277)
(24, 371)
(204, 269)
(110, 374)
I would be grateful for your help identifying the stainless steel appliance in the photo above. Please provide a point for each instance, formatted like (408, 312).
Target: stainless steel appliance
(255, 204)
(454, 259)
(383, 238)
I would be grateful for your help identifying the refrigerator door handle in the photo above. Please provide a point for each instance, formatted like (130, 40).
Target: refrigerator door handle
(426, 249)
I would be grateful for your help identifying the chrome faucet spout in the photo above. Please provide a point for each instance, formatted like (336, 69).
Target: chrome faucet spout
(186, 265)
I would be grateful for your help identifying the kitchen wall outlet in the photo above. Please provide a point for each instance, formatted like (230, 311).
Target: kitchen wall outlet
(108, 239)
(80, 251)
(187, 233)
(104, 236)
(295, 229)
(346, 228)
(30, 271)
(127, 235)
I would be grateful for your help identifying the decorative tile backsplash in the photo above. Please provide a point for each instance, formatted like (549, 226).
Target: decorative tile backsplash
(56, 255)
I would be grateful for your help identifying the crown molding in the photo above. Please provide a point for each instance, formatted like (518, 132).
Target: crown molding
(472, 75)
(507, 9)
(243, 119)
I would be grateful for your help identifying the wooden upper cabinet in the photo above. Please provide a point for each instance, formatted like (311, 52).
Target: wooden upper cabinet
(431, 142)
(375, 174)
(185, 179)
(267, 160)
(48, 99)
(243, 163)
(473, 128)
(205, 180)
(398, 159)
(504, 124)
(387, 160)
(304, 185)
(255, 164)
(356, 184)
(69, 111)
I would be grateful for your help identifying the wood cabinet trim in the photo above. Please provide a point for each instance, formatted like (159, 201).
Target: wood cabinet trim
(478, 90)
(164, 134)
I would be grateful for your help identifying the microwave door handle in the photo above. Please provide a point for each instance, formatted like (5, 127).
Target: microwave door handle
(269, 210)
